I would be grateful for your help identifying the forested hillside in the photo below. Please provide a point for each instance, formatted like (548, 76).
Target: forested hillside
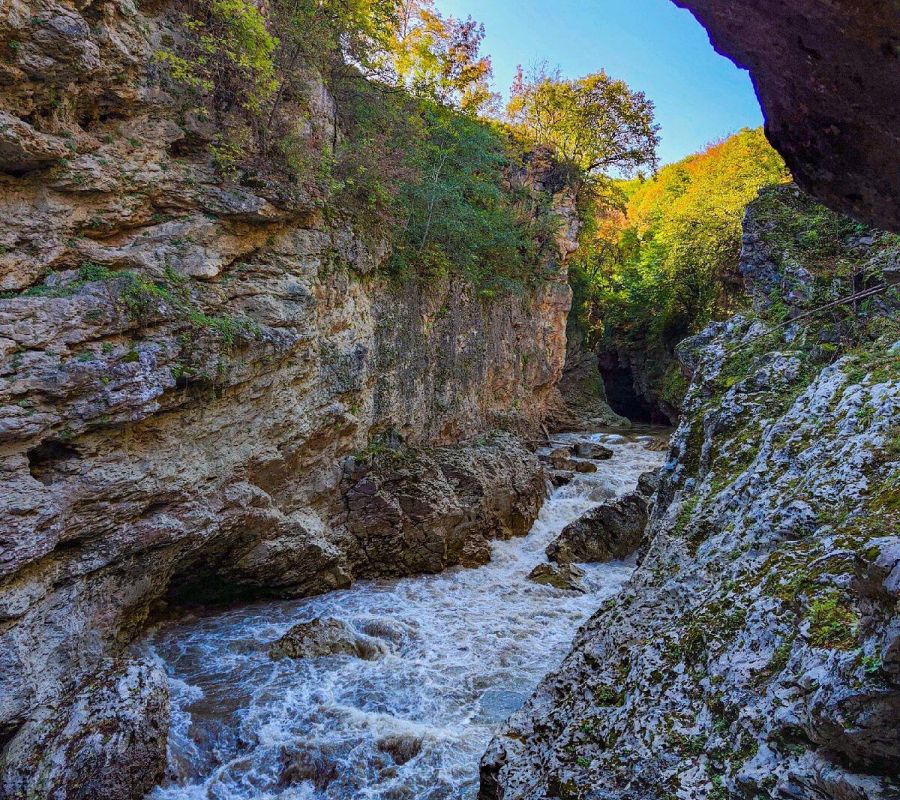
(308, 477)
(660, 259)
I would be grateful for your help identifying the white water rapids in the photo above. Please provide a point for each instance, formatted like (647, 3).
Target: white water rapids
(467, 647)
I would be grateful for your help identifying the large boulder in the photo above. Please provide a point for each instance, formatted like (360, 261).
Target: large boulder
(416, 510)
(559, 576)
(593, 450)
(609, 531)
(326, 637)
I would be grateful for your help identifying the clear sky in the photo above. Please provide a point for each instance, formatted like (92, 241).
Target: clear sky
(652, 45)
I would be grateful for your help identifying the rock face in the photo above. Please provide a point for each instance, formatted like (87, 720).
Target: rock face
(584, 406)
(187, 363)
(827, 77)
(109, 743)
(635, 375)
(754, 653)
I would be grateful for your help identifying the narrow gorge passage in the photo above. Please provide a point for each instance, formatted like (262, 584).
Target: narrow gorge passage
(465, 649)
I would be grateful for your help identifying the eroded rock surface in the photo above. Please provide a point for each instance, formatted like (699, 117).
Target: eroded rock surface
(828, 79)
(611, 530)
(187, 361)
(754, 653)
(107, 744)
(415, 510)
(326, 637)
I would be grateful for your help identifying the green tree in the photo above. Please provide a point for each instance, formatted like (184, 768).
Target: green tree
(596, 123)
(668, 264)
(439, 57)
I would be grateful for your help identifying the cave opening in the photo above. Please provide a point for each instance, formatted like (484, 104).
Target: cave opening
(623, 397)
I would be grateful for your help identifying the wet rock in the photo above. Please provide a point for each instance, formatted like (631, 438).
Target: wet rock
(612, 530)
(648, 483)
(393, 631)
(311, 765)
(561, 458)
(413, 510)
(593, 450)
(107, 743)
(560, 477)
(326, 637)
(585, 466)
(400, 747)
(657, 445)
(560, 576)
(755, 651)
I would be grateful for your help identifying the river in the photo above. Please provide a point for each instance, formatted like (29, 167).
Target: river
(466, 648)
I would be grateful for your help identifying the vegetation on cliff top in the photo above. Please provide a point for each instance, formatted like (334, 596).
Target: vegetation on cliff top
(419, 151)
(664, 263)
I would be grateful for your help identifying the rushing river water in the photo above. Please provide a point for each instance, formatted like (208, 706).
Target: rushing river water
(467, 647)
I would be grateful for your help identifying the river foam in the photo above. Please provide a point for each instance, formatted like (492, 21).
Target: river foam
(466, 648)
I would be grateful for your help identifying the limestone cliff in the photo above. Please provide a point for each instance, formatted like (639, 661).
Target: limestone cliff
(756, 650)
(188, 363)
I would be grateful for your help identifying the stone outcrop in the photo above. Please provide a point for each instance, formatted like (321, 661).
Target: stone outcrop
(754, 653)
(109, 743)
(420, 511)
(326, 637)
(559, 576)
(611, 530)
(827, 77)
(583, 405)
(187, 362)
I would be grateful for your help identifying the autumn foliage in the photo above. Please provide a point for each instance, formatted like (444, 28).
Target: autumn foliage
(664, 263)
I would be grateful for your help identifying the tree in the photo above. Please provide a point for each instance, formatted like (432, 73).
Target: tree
(669, 264)
(439, 58)
(596, 123)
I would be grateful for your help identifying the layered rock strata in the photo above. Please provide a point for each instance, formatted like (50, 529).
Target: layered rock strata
(187, 362)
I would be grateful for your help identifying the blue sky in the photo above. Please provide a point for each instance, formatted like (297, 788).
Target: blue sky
(654, 46)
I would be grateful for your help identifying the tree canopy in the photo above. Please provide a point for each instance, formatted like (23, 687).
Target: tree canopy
(596, 122)
(666, 263)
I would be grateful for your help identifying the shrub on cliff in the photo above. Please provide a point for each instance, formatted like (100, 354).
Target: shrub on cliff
(404, 151)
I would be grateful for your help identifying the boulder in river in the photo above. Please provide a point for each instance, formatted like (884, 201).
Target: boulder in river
(560, 576)
(560, 477)
(561, 458)
(593, 450)
(314, 766)
(326, 637)
(585, 466)
(612, 530)
(414, 510)
(648, 483)
(401, 747)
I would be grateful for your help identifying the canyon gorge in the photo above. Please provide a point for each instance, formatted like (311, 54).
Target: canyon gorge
(264, 495)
